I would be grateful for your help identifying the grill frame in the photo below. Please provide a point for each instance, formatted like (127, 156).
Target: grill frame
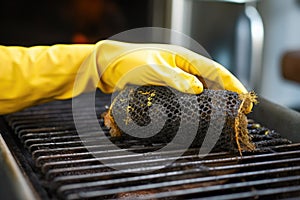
(279, 118)
(34, 180)
(19, 175)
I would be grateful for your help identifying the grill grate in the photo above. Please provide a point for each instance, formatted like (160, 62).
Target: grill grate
(67, 170)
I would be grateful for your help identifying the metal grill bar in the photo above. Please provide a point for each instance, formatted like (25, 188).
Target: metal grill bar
(69, 170)
(256, 193)
(253, 166)
(160, 185)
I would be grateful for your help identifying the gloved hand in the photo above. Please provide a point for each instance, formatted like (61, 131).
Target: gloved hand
(159, 64)
(39, 74)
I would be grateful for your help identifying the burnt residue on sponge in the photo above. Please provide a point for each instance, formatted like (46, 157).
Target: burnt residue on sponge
(219, 110)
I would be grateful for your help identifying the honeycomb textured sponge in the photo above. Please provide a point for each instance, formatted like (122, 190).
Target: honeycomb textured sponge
(162, 112)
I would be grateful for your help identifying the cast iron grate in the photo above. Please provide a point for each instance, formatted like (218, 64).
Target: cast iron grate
(67, 170)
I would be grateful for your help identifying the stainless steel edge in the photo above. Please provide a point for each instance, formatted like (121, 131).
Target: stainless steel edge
(20, 185)
(279, 118)
(257, 40)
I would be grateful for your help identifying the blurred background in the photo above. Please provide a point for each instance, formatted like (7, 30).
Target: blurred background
(248, 37)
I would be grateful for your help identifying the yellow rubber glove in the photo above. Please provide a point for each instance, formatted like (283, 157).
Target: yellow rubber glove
(40, 74)
(159, 64)
(29, 76)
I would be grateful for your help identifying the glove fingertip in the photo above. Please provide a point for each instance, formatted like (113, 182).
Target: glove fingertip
(196, 87)
(189, 85)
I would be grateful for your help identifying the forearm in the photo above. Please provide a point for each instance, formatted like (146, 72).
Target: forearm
(38, 74)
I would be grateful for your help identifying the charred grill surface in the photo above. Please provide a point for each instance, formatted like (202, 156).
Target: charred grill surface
(66, 169)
